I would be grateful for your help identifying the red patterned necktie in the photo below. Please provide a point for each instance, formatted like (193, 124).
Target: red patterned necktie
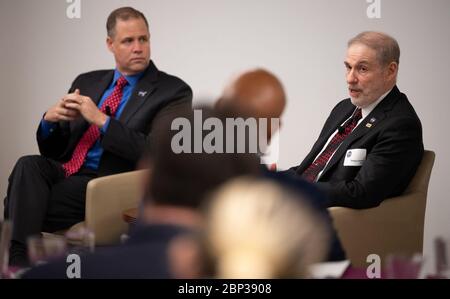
(311, 173)
(93, 132)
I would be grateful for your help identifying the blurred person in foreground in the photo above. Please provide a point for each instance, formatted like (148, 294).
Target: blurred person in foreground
(258, 229)
(259, 94)
(175, 189)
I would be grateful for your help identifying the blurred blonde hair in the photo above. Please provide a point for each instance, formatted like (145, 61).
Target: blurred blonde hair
(255, 229)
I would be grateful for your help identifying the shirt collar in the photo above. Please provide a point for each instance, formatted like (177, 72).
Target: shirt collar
(366, 110)
(132, 79)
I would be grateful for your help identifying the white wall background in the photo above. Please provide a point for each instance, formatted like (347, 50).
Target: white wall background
(206, 41)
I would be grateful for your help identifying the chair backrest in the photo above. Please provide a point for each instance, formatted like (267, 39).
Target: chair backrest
(106, 200)
(394, 227)
(421, 179)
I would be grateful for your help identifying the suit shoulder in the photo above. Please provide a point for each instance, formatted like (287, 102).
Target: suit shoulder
(403, 109)
(402, 117)
(174, 81)
(92, 75)
(344, 104)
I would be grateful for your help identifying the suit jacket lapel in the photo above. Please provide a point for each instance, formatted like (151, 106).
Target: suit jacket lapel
(320, 143)
(369, 123)
(145, 87)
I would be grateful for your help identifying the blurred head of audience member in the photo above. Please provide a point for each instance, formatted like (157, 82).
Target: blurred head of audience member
(257, 229)
(255, 93)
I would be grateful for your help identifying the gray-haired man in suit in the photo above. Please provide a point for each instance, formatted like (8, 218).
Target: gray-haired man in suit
(371, 144)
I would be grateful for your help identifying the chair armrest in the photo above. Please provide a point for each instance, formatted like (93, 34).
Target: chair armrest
(106, 199)
(396, 226)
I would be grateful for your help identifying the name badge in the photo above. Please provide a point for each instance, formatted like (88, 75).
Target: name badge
(355, 157)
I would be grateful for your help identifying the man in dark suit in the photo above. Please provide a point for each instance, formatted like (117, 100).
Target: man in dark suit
(99, 128)
(371, 144)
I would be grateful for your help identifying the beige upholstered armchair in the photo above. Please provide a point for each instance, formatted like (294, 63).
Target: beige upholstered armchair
(106, 200)
(394, 227)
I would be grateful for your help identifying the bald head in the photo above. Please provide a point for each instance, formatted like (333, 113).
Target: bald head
(257, 93)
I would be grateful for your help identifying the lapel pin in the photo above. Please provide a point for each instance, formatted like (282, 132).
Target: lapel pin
(142, 93)
(368, 125)
(372, 120)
